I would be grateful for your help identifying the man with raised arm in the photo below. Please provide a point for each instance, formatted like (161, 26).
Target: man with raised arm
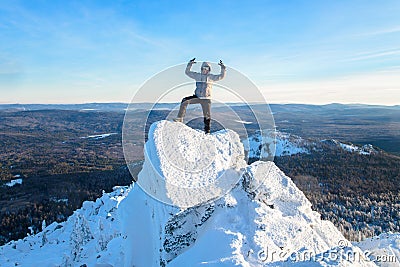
(202, 94)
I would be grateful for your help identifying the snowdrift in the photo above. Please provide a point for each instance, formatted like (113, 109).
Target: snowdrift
(262, 220)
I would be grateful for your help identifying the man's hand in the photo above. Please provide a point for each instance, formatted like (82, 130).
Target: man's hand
(192, 61)
(221, 64)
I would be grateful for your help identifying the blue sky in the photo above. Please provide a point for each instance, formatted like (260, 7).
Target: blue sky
(294, 51)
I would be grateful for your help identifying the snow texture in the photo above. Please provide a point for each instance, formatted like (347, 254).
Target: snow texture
(265, 220)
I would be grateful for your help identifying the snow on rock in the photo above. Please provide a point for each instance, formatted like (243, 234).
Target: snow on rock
(265, 220)
(274, 144)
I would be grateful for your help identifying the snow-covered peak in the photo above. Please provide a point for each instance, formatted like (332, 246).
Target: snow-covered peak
(185, 167)
(263, 220)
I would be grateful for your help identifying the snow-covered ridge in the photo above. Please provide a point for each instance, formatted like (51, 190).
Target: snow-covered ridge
(367, 149)
(274, 143)
(264, 220)
(286, 144)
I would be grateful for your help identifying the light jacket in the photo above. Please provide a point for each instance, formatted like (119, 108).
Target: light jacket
(204, 81)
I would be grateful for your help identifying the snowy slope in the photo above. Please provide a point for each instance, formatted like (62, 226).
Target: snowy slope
(91, 235)
(265, 220)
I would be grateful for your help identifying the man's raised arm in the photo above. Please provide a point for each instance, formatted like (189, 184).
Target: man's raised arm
(188, 72)
(222, 74)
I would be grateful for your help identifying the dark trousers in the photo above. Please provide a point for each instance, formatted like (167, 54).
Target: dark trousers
(205, 105)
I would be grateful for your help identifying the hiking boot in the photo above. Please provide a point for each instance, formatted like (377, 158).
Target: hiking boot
(207, 125)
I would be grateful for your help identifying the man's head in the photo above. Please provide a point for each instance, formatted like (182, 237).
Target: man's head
(205, 68)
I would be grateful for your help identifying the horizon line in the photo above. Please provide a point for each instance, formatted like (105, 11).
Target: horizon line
(251, 103)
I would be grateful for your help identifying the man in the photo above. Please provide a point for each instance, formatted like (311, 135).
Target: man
(202, 94)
